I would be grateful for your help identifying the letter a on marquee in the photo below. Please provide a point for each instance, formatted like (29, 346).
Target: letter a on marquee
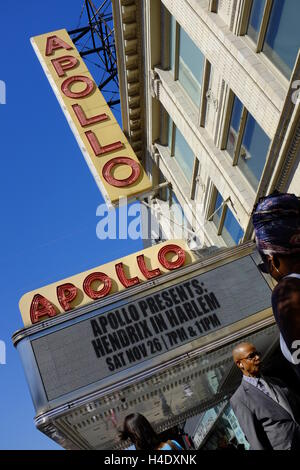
(41, 307)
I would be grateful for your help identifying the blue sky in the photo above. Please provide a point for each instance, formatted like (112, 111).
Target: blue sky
(48, 198)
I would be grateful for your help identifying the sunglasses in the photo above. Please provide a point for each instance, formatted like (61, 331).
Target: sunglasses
(252, 355)
(264, 267)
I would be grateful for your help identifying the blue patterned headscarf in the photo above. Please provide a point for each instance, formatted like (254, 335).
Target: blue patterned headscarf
(276, 220)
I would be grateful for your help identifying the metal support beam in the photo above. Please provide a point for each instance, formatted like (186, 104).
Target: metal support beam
(95, 40)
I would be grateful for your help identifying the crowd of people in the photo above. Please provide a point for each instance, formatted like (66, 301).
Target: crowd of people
(268, 411)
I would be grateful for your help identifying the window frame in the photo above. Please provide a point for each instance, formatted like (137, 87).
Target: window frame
(212, 210)
(175, 73)
(240, 136)
(241, 129)
(213, 6)
(259, 44)
(195, 169)
(263, 26)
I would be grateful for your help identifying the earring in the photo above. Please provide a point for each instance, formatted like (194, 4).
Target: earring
(273, 264)
(277, 267)
(278, 271)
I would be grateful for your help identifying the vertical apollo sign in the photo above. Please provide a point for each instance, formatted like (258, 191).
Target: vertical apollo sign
(111, 159)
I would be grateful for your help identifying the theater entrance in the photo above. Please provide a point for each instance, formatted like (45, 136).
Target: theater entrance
(162, 349)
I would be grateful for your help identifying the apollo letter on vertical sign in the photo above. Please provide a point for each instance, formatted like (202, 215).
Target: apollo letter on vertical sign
(112, 161)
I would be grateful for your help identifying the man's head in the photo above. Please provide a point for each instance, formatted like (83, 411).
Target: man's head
(247, 359)
(276, 220)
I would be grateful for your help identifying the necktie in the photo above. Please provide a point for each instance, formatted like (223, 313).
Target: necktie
(264, 387)
(267, 389)
(279, 398)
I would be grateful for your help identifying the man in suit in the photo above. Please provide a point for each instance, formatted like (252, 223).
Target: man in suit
(268, 413)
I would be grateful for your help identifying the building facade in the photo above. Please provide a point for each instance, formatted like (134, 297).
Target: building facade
(209, 96)
(209, 101)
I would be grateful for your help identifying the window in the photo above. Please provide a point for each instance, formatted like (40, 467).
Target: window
(234, 126)
(255, 19)
(247, 143)
(186, 61)
(227, 225)
(181, 151)
(217, 209)
(253, 151)
(183, 154)
(190, 67)
(213, 5)
(172, 43)
(232, 231)
(178, 213)
(170, 133)
(273, 26)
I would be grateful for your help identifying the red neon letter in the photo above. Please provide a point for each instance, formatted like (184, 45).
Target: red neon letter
(97, 294)
(162, 256)
(65, 294)
(122, 277)
(53, 43)
(108, 167)
(144, 270)
(41, 307)
(64, 63)
(98, 150)
(66, 85)
(85, 121)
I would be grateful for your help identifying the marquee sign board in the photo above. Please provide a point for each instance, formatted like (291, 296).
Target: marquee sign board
(140, 330)
(97, 283)
(123, 335)
(112, 161)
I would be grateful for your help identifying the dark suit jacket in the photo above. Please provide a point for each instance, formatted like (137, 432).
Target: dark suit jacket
(286, 309)
(265, 423)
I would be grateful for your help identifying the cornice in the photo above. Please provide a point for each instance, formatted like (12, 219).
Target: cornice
(128, 39)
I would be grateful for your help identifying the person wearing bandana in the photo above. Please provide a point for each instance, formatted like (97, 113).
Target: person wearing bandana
(276, 220)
